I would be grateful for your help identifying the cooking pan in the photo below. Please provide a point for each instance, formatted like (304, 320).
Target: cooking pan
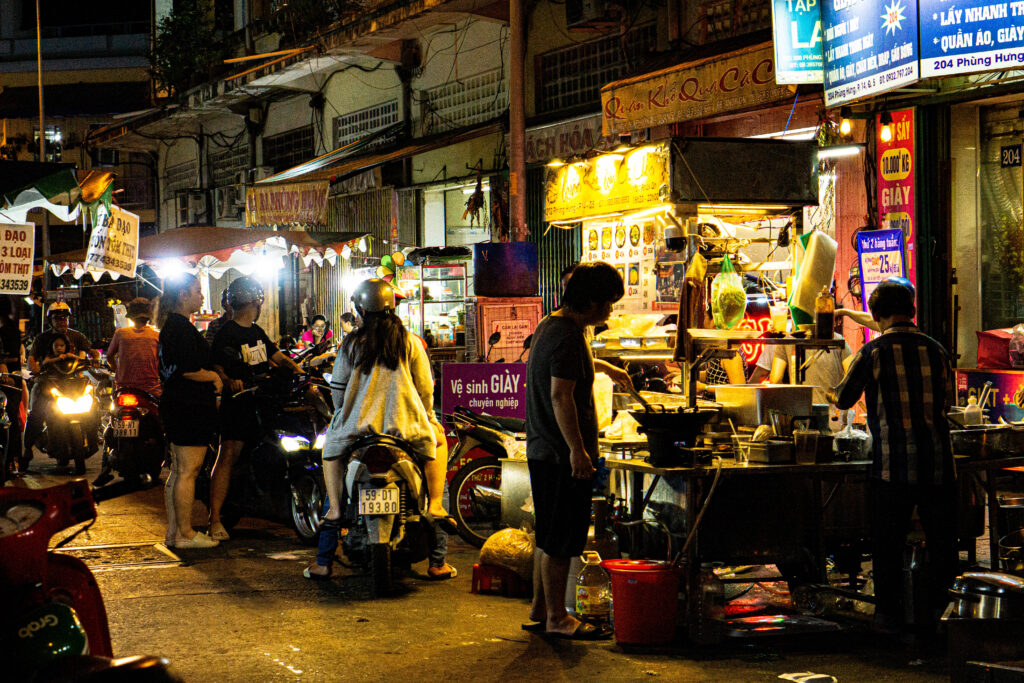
(988, 595)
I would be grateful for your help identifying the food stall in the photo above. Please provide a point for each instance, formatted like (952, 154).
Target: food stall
(665, 214)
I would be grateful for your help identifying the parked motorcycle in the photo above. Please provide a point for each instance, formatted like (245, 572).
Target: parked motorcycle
(72, 422)
(280, 476)
(387, 505)
(53, 624)
(474, 494)
(133, 440)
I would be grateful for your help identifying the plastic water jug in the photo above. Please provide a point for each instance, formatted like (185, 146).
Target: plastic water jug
(593, 592)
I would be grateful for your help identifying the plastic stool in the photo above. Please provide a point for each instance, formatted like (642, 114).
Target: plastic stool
(492, 578)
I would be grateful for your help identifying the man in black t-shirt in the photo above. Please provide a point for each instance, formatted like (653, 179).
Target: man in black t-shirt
(561, 440)
(59, 315)
(241, 352)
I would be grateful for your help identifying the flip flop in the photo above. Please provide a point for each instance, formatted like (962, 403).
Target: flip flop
(538, 627)
(582, 632)
(316, 577)
(447, 523)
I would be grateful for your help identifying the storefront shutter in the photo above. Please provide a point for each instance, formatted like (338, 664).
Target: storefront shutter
(555, 250)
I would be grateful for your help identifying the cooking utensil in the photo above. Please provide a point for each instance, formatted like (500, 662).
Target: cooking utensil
(640, 399)
(988, 595)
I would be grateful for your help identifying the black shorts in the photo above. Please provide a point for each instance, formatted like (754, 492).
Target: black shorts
(238, 419)
(191, 421)
(562, 507)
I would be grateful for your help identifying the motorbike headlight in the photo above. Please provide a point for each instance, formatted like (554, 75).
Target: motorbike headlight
(68, 406)
(294, 443)
(321, 439)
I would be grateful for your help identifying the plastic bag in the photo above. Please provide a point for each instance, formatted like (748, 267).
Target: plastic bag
(851, 444)
(1017, 347)
(512, 549)
(728, 298)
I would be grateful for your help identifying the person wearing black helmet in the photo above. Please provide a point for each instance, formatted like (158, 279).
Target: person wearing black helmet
(214, 327)
(241, 350)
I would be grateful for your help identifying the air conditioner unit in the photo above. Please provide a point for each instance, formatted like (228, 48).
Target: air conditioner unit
(262, 172)
(196, 207)
(588, 13)
(228, 206)
(243, 178)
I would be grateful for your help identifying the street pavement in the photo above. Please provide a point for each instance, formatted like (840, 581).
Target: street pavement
(244, 612)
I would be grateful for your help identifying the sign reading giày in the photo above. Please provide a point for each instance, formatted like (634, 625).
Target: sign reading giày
(114, 242)
(16, 252)
(798, 50)
(966, 36)
(492, 388)
(287, 203)
(870, 47)
(896, 182)
(696, 90)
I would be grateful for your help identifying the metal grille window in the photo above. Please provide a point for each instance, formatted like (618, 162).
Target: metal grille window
(226, 164)
(574, 75)
(181, 177)
(464, 102)
(359, 124)
(288, 149)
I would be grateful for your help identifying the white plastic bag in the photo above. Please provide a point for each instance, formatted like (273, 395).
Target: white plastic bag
(850, 443)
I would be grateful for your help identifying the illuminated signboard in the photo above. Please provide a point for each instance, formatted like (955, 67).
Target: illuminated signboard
(798, 51)
(966, 36)
(870, 47)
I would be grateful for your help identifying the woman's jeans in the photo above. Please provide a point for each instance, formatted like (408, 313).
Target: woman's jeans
(328, 541)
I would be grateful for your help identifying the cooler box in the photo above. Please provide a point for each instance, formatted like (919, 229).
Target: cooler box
(514, 317)
(994, 348)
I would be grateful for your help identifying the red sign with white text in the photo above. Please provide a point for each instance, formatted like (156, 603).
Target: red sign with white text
(896, 182)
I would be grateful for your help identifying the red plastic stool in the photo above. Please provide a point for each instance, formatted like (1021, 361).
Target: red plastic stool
(491, 578)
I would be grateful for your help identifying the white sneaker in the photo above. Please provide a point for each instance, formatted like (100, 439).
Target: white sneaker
(218, 532)
(200, 540)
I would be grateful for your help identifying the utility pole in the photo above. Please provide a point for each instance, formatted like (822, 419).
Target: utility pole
(42, 147)
(517, 120)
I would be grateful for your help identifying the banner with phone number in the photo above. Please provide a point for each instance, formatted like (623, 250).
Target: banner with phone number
(16, 253)
(880, 253)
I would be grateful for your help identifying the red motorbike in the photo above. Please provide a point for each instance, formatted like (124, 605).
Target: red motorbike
(53, 625)
(133, 440)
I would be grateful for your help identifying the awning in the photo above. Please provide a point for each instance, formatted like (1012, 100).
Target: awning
(344, 166)
(58, 188)
(214, 250)
(333, 157)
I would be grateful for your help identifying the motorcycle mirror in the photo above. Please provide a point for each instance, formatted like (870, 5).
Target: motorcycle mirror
(494, 338)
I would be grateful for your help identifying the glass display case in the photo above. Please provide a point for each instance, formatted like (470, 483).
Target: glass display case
(435, 305)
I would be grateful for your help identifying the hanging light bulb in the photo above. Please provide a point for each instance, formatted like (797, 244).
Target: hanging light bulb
(885, 134)
(845, 126)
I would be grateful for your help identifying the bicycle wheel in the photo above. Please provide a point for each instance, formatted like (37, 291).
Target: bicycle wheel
(474, 499)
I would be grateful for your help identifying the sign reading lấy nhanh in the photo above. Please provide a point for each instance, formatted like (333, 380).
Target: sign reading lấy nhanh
(697, 90)
(286, 203)
(608, 183)
(114, 242)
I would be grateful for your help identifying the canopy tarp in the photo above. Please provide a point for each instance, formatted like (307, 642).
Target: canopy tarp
(58, 188)
(213, 250)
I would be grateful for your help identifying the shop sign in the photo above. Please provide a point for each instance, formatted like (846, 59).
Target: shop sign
(286, 203)
(696, 90)
(494, 388)
(880, 253)
(1009, 156)
(114, 242)
(567, 139)
(1007, 386)
(968, 36)
(870, 47)
(608, 183)
(798, 50)
(632, 249)
(896, 183)
(16, 252)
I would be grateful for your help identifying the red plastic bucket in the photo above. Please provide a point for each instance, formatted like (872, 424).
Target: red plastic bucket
(645, 597)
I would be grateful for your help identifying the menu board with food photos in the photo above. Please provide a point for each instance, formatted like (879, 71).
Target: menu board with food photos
(631, 247)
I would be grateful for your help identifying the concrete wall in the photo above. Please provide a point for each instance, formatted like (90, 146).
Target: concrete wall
(964, 144)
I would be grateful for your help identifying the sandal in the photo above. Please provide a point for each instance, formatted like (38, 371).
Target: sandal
(536, 627)
(447, 524)
(582, 632)
(314, 576)
(218, 532)
(445, 571)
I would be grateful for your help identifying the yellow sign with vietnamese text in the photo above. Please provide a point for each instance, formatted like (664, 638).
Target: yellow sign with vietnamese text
(697, 90)
(608, 183)
(287, 203)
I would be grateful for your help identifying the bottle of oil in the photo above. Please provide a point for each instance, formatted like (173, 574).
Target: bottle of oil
(824, 314)
(593, 592)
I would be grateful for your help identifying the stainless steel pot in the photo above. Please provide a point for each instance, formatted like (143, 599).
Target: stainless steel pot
(988, 595)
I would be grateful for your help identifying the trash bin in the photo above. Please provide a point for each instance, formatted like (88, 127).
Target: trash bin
(645, 599)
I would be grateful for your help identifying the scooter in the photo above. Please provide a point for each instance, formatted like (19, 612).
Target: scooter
(386, 508)
(53, 624)
(71, 425)
(133, 440)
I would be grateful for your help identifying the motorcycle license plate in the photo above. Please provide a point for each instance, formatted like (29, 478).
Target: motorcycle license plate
(378, 501)
(126, 428)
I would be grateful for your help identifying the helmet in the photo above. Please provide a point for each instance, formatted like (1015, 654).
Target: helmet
(373, 296)
(243, 292)
(140, 307)
(903, 281)
(58, 307)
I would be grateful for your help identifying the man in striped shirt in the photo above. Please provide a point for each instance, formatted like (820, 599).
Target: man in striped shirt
(906, 380)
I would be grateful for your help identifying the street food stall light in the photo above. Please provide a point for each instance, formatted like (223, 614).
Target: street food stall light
(839, 151)
(885, 135)
(845, 127)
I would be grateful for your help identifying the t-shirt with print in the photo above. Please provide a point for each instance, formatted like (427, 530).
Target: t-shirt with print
(559, 349)
(252, 343)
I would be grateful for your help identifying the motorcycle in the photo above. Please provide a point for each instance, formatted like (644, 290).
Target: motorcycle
(280, 476)
(387, 505)
(53, 624)
(133, 438)
(72, 421)
(474, 494)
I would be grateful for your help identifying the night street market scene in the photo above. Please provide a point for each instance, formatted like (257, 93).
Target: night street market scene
(491, 340)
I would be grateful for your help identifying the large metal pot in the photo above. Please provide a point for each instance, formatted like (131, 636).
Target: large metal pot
(988, 595)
